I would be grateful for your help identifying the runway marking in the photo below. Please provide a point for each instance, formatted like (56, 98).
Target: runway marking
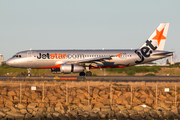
(68, 77)
(56, 77)
(95, 78)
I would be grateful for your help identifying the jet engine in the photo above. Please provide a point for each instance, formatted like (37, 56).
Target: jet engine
(68, 68)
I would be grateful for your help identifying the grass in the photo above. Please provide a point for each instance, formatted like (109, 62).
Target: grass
(135, 69)
(174, 66)
(11, 71)
(150, 74)
(94, 74)
(130, 71)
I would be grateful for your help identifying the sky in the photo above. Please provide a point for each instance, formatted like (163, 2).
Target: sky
(82, 24)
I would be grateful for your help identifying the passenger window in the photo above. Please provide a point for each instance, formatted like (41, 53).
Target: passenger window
(16, 55)
(19, 56)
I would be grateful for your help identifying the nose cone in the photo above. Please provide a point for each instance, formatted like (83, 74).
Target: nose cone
(9, 62)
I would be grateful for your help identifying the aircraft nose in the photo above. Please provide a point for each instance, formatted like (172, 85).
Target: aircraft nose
(9, 62)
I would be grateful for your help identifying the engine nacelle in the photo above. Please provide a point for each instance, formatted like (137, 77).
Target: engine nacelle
(68, 68)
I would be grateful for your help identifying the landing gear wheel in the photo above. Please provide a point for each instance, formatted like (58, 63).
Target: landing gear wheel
(29, 74)
(81, 74)
(88, 73)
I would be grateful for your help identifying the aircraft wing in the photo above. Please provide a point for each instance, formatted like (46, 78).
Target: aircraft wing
(91, 60)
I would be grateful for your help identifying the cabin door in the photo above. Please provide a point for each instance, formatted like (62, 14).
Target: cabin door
(30, 56)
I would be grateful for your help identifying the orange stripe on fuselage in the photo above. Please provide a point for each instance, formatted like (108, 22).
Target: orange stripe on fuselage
(48, 67)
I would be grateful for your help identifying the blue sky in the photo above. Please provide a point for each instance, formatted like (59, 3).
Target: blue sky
(80, 24)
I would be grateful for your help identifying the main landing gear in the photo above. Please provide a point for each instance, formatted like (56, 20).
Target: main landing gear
(88, 73)
(82, 74)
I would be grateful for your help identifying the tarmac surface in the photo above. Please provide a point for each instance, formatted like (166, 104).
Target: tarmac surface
(94, 78)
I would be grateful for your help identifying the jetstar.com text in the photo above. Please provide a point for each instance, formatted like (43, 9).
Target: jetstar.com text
(60, 56)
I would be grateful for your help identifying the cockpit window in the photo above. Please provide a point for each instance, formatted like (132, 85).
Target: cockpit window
(14, 56)
(18, 56)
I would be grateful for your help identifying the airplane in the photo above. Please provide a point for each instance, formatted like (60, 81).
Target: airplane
(81, 61)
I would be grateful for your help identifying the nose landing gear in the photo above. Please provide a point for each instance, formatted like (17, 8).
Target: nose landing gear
(29, 72)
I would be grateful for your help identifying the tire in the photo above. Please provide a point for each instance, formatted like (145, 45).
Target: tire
(81, 74)
(88, 73)
(29, 74)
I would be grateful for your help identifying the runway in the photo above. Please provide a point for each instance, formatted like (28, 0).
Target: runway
(94, 78)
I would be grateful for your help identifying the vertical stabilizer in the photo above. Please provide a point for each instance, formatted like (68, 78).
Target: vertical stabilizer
(158, 37)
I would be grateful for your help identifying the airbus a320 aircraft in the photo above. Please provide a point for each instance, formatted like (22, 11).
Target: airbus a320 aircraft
(81, 61)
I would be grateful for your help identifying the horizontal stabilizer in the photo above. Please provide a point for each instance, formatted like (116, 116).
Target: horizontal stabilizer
(163, 54)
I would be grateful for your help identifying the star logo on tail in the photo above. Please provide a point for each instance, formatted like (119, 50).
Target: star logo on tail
(159, 36)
